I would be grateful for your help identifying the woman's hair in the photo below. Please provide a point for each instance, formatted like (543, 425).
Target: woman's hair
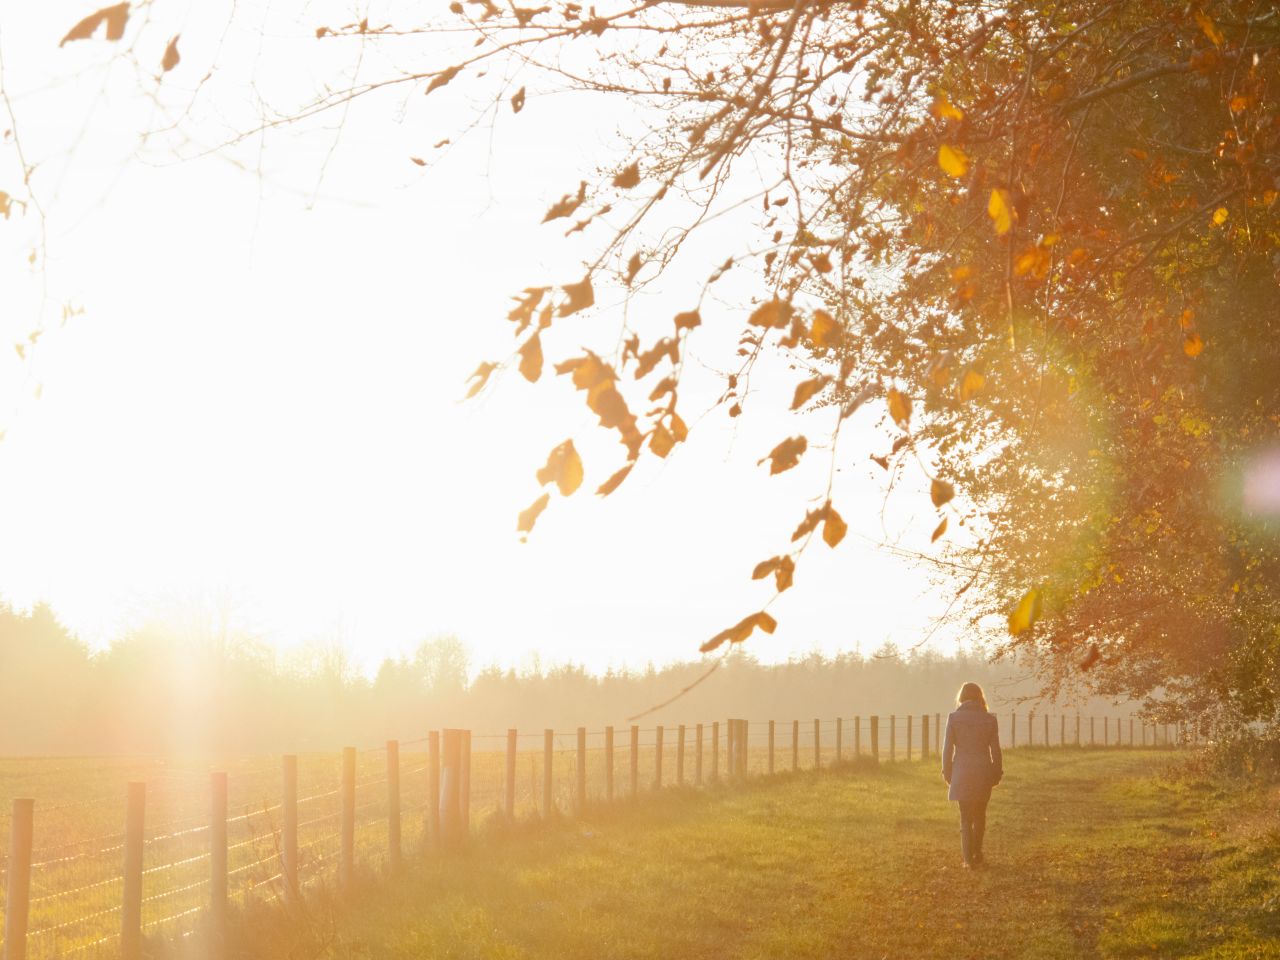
(971, 691)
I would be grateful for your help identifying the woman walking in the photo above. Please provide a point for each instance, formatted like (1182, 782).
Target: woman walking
(971, 765)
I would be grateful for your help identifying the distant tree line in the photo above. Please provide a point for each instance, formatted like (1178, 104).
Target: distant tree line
(153, 691)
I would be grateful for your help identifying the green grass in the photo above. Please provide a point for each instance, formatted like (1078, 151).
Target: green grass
(1091, 854)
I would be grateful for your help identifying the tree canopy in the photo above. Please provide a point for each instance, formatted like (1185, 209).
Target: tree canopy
(1038, 238)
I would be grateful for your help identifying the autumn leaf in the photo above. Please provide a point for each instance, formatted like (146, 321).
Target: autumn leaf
(785, 455)
(971, 385)
(806, 391)
(882, 461)
(481, 377)
(1192, 345)
(833, 526)
(939, 530)
(564, 468)
(565, 206)
(627, 177)
(1091, 657)
(783, 570)
(171, 56)
(775, 314)
(953, 161)
(941, 492)
(1220, 216)
(580, 296)
(944, 109)
(679, 429)
(517, 101)
(741, 631)
(824, 331)
(1026, 613)
(1210, 30)
(633, 267)
(442, 78)
(114, 17)
(999, 211)
(531, 358)
(529, 516)
(614, 481)
(662, 442)
(899, 407)
(688, 320)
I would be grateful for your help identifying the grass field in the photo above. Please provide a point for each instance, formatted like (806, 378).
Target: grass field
(1092, 854)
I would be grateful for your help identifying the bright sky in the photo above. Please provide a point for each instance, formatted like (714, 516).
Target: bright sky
(258, 411)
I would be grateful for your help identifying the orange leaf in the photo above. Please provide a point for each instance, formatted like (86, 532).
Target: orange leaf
(114, 17)
(481, 377)
(953, 161)
(939, 530)
(786, 454)
(1210, 30)
(825, 330)
(944, 109)
(971, 385)
(833, 526)
(564, 467)
(1091, 657)
(774, 314)
(628, 177)
(662, 441)
(171, 56)
(899, 407)
(531, 358)
(529, 516)
(580, 296)
(614, 482)
(941, 492)
(1000, 212)
(741, 631)
(1193, 345)
(688, 320)
(806, 391)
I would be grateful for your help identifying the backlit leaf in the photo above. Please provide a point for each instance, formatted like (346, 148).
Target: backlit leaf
(529, 516)
(806, 391)
(627, 177)
(944, 109)
(481, 377)
(171, 56)
(1220, 216)
(661, 442)
(1026, 613)
(688, 320)
(882, 461)
(953, 161)
(941, 492)
(614, 481)
(442, 78)
(679, 429)
(531, 358)
(1192, 345)
(899, 407)
(1091, 657)
(580, 296)
(971, 385)
(833, 526)
(786, 454)
(564, 468)
(774, 314)
(939, 530)
(1000, 212)
(115, 17)
(565, 206)
(517, 101)
(824, 331)
(1210, 30)
(741, 631)
(633, 267)
(783, 569)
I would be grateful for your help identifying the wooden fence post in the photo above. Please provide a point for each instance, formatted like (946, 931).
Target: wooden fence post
(924, 736)
(449, 814)
(608, 764)
(580, 792)
(509, 798)
(893, 738)
(1031, 728)
(131, 902)
(771, 739)
(697, 755)
(680, 755)
(1062, 729)
(17, 899)
(839, 740)
(289, 830)
(937, 733)
(548, 784)
(795, 745)
(657, 758)
(817, 744)
(715, 751)
(742, 747)
(434, 799)
(394, 851)
(346, 866)
(218, 855)
(875, 738)
(1077, 729)
(910, 724)
(730, 750)
(857, 738)
(635, 760)
(464, 782)
(1106, 731)
(1093, 737)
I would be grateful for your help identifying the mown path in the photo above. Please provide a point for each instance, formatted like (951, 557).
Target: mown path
(1091, 854)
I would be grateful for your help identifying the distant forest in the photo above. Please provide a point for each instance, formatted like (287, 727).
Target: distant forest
(154, 693)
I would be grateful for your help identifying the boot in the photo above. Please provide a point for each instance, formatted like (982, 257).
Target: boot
(966, 842)
(979, 829)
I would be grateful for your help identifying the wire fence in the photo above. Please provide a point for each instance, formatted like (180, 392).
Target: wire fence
(199, 845)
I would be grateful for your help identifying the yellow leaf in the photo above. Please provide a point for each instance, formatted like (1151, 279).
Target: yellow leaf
(678, 428)
(1187, 318)
(899, 407)
(939, 530)
(531, 358)
(1026, 613)
(741, 631)
(614, 482)
(564, 467)
(782, 568)
(773, 314)
(944, 109)
(662, 441)
(481, 377)
(999, 211)
(1210, 30)
(529, 516)
(1220, 216)
(786, 454)
(806, 391)
(825, 330)
(953, 161)
(971, 385)
(941, 492)
(833, 527)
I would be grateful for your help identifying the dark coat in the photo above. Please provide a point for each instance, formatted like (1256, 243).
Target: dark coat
(971, 761)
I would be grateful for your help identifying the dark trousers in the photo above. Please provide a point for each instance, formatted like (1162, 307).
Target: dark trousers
(973, 824)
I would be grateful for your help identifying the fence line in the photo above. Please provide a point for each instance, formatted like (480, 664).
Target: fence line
(88, 900)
